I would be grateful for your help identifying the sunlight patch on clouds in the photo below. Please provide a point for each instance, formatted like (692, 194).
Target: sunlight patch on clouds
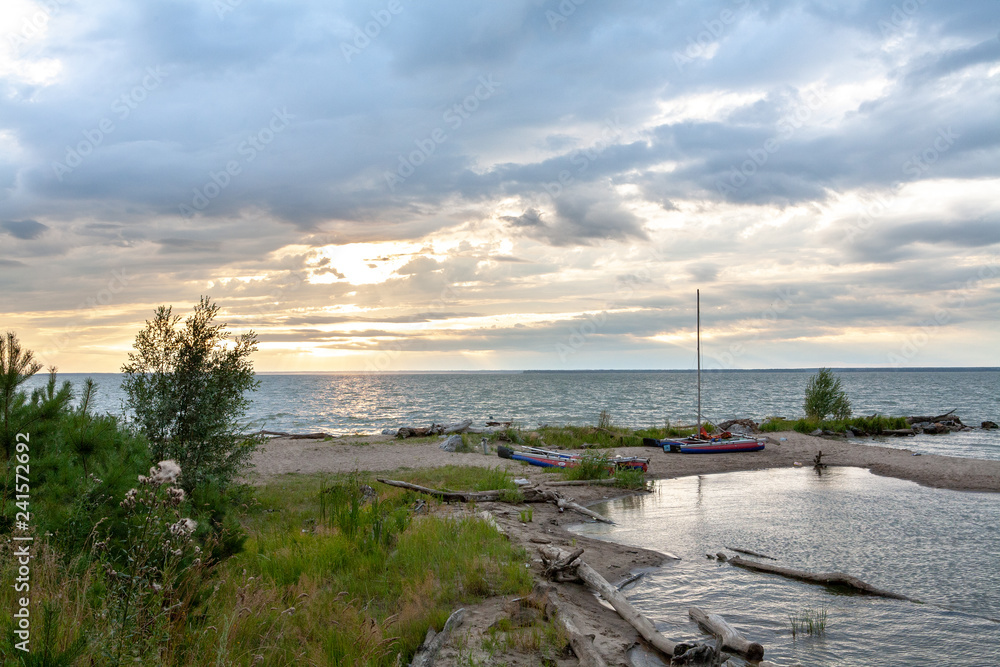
(22, 24)
(701, 107)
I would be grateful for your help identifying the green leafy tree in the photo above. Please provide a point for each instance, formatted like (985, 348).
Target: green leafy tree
(825, 396)
(187, 387)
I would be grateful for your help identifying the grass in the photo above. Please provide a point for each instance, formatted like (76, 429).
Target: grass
(592, 466)
(630, 478)
(330, 574)
(809, 622)
(873, 425)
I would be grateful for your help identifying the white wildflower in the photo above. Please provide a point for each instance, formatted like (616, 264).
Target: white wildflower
(183, 528)
(130, 499)
(175, 495)
(165, 472)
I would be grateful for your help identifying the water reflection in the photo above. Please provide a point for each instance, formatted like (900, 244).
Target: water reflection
(942, 547)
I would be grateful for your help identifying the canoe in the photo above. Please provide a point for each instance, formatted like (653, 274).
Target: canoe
(712, 445)
(548, 459)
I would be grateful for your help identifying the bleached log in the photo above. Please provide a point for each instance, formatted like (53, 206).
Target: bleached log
(647, 631)
(823, 578)
(457, 427)
(732, 640)
(425, 655)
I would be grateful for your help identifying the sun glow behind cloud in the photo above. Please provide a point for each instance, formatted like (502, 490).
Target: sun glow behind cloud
(578, 208)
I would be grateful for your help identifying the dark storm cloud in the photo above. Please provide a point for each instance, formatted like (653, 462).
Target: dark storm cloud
(23, 229)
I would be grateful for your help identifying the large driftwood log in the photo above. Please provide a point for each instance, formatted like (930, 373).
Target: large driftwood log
(530, 494)
(732, 640)
(824, 578)
(457, 427)
(937, 418)
(297, 436)
(427, 652)
(583, 645)
(553, 555)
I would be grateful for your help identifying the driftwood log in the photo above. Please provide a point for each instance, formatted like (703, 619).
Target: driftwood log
(433, 642)
(566, 564)
(457, 427)
(530, 494)
(823, 578)
(732, 640)
(936, 418)
(749, 553)
(545, 598)
(297, 436)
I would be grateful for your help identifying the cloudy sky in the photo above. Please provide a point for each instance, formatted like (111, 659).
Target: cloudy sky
(392, 184)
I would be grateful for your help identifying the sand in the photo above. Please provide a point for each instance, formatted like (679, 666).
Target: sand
(385, 453)
(613, 637)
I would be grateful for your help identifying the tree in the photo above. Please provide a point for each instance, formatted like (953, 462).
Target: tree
(186, 387)
(18, 412)
(824, 396)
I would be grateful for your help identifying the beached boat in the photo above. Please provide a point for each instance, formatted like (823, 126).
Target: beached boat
(548, 459)
(710, 445)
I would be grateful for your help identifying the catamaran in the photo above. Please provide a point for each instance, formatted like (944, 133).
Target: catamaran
(703, 442)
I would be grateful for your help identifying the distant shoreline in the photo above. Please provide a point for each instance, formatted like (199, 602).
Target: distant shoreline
(720, 371)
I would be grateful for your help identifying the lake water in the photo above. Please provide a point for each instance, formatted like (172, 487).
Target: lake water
(941, 547)
(368, 403)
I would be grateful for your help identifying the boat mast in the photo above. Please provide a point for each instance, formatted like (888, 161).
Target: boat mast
(698, 350)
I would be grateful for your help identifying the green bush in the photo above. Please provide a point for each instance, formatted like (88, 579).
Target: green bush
(824, 396)
(186, 388)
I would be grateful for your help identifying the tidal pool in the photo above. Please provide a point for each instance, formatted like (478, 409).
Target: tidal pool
(941, 547)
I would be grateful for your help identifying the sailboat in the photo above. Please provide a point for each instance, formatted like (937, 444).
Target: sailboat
(703, 442)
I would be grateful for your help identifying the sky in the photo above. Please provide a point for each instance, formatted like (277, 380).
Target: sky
(390, 185)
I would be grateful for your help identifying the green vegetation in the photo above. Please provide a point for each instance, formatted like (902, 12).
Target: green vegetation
(80, 464)
(334, 571)
(592, 466)
(547, 638)
(630, 478)
(809, 622)
(140, 565)
(186, 388)
(825, 396)
(873, 425)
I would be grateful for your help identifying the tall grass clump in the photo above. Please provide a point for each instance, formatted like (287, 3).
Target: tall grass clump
(808, 622)
(591, 466)
(630, 478)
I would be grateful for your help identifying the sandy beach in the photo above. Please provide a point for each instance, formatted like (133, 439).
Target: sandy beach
(384, 453)
(613, 637)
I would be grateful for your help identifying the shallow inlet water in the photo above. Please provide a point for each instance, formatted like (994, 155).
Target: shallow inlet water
(941, 547)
